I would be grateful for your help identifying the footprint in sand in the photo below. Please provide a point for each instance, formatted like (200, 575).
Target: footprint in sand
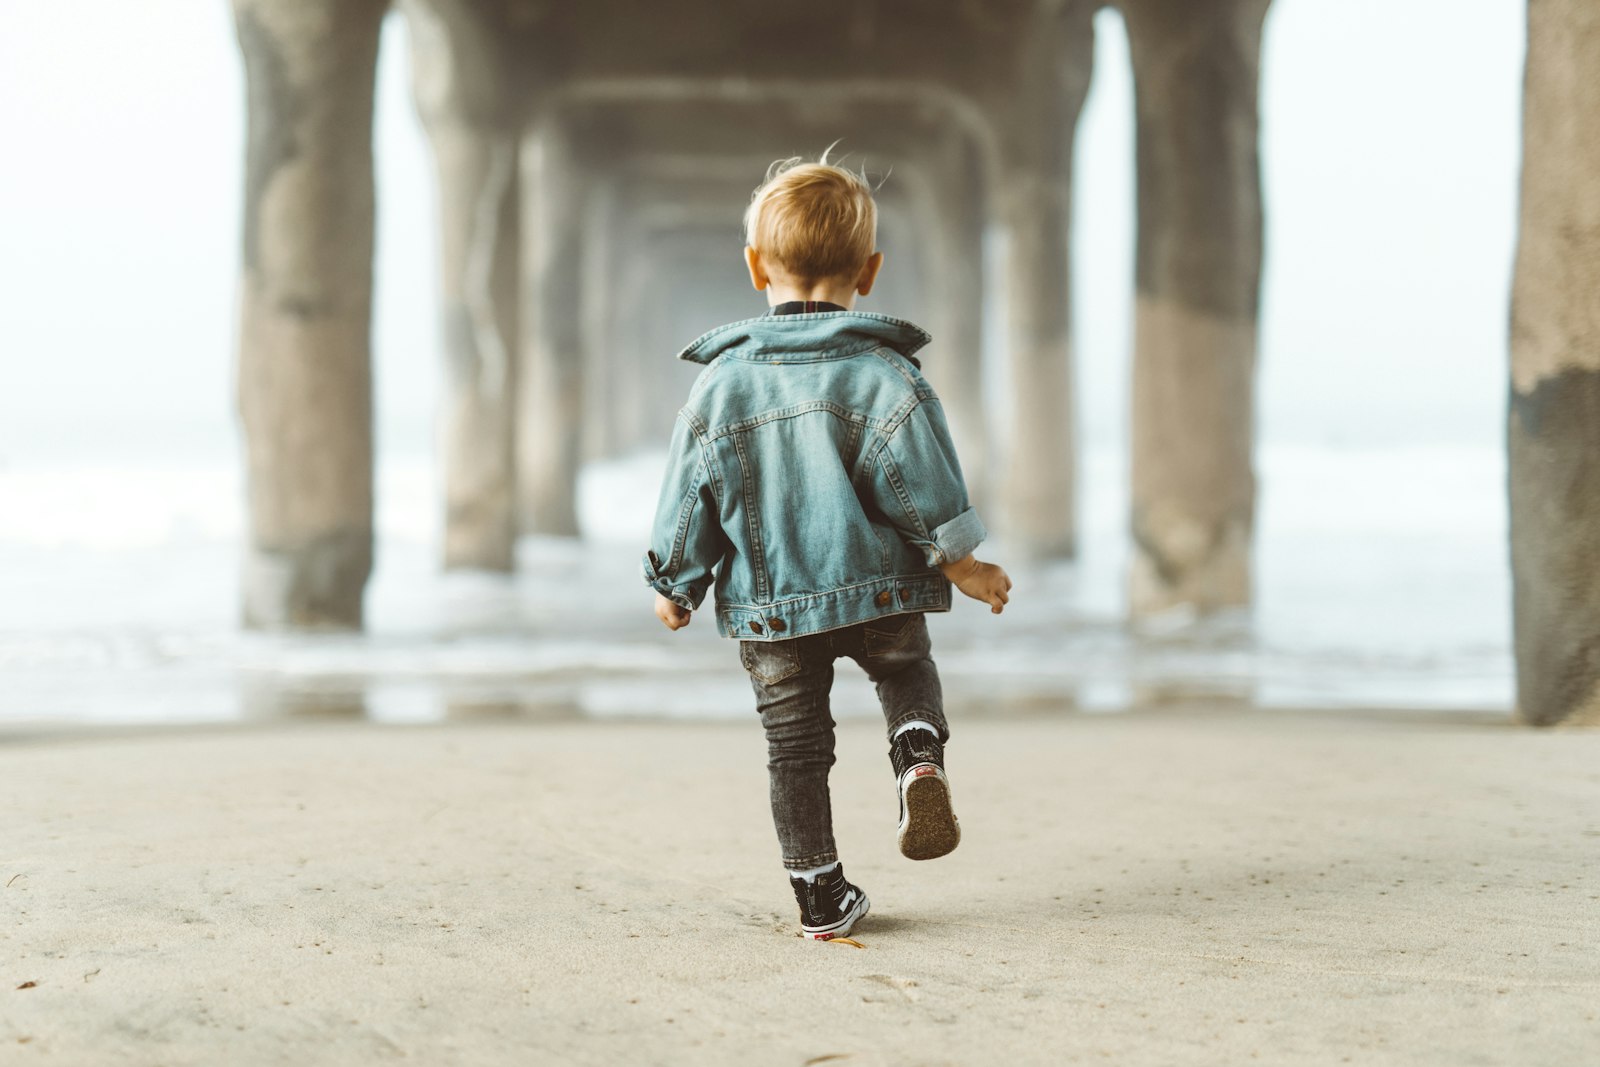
(890, 990)
(767, 921)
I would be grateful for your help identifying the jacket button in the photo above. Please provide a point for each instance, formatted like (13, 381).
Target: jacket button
(756, 626)
(777, 625)
(883, 599)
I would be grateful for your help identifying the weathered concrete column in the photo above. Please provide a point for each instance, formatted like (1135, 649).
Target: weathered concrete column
(608, 377)
(463, 93)
(305, 302)
(961, 297)
(947, 198)
(1034, 200)
(550, 403)
(1196, 66)
(1040, 472)
(642, 338)
(1554, 424)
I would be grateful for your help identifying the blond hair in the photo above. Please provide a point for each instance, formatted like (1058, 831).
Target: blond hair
(814, 220)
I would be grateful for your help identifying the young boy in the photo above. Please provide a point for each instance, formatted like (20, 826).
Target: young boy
(812, 473)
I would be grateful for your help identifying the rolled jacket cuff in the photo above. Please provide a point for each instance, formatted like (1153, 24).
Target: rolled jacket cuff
(685, 595)
(956, 539)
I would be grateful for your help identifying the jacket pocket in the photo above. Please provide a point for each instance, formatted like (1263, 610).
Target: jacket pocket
(770, 662)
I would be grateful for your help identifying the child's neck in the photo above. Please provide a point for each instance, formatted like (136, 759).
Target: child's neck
(782, 293)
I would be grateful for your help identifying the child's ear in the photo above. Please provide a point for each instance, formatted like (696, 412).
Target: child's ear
(869, 273)
(758, 274)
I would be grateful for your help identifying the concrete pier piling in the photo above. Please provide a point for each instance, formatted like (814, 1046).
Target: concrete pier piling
(1033, 201)
(1196, 68)
(305, 300)
(461, 78)
(550, 400)
(1553, 428)
(946, 193)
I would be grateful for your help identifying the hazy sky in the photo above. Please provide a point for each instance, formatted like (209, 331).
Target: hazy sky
(1390, 156)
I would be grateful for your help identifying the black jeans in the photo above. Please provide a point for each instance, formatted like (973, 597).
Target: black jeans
(792, 680)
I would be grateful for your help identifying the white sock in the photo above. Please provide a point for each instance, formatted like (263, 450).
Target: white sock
(812, 873)
(915, 724)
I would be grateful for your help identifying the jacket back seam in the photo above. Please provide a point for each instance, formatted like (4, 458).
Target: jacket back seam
(794, 411)
(752, 514)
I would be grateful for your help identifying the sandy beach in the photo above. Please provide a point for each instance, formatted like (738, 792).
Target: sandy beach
(1182, 888)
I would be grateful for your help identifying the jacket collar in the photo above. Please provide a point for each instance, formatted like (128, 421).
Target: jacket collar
(818, 335)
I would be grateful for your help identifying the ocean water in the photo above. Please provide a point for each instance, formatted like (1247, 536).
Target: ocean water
(1382, 584)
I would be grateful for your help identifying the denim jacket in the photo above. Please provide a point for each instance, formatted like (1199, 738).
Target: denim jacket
(812, 472)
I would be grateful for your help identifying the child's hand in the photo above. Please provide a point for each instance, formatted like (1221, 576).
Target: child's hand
(672, 615)
(987, 582)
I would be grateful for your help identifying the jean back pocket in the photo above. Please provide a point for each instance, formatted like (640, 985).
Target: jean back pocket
(770, 662)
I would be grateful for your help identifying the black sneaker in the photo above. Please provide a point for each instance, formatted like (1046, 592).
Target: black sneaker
(829, 905)
(928, 826)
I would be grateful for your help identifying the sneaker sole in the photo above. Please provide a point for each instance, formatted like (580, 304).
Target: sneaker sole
(929, 829)
(857, 912)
